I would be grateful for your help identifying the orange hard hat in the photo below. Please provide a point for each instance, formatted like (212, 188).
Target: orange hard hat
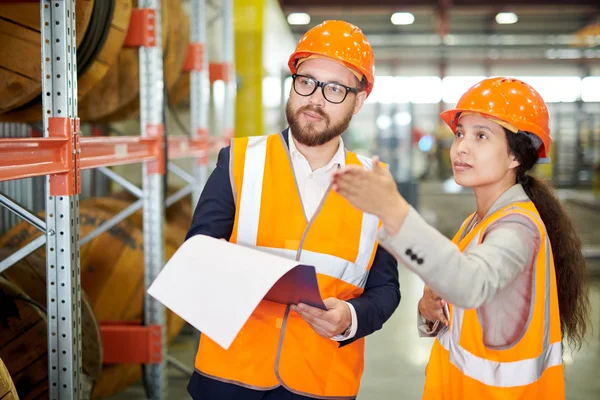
(339, 41)
(510, 102)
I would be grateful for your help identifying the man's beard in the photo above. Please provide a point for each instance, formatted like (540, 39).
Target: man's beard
(306, 135)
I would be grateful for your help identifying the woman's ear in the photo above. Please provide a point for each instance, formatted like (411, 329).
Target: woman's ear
(514, 162)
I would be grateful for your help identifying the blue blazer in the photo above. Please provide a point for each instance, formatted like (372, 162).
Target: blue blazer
(214, 216)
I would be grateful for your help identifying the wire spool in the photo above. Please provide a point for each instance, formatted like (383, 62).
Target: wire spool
(116, 97)
(112, 276)
(20, 49)
(7, 386)
(29, 275)
(23, 341)
(174, 54)
(101, 26)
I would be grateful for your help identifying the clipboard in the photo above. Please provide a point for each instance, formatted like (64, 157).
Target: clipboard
(215, 285)
(298, 285)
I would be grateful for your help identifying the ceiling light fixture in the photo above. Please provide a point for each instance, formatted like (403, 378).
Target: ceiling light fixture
(402, 18)
(506, 18)
(299, 18)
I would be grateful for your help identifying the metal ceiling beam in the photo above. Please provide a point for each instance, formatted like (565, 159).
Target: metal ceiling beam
(486, 62)
(483, 54)
(472, 40)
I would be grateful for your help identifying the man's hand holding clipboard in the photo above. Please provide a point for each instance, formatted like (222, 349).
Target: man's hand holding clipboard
(335, 321)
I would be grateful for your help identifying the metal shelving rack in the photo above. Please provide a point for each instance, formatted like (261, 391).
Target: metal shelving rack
(61, 154)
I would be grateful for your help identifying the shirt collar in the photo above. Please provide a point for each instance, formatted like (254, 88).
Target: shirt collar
(338, 158)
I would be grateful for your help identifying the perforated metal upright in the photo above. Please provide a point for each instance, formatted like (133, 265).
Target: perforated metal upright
(200, 94)
(59, 88)
(151, 124)
(228, 59)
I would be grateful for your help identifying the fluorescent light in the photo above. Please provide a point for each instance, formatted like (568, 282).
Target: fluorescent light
(402, 118)
(298, 19)
(384, 122)
(402, 18)
(506, 18)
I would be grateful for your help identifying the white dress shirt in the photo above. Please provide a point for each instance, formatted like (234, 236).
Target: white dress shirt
(313, 186)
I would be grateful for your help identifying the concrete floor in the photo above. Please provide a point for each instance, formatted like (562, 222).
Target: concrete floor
(396, 356)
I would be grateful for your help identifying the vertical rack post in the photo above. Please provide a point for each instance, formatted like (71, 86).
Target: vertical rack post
(228, 59)
(59, 89)
(151, 124)
(200, 95)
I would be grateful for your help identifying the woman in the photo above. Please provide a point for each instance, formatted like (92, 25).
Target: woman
(513, 276)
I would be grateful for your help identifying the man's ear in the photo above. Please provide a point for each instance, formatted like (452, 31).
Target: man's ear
(360, 100)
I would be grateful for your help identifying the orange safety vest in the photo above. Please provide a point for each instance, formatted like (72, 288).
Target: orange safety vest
(462, 367)
(276, 346)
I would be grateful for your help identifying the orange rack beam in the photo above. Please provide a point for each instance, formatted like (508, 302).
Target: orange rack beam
(116, 150)
(184, 147)
(28, 157)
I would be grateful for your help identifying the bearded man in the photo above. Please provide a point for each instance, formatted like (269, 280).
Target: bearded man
(273, 193)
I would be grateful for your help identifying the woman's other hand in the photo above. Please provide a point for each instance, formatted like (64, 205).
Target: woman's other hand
(431, 306)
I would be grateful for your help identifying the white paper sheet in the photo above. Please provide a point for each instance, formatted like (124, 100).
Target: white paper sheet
(215, 285)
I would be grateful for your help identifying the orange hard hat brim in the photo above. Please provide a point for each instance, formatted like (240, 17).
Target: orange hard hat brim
(451, 118)
(359, 75)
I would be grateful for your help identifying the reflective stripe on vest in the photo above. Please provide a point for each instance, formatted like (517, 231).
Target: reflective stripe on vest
(326, 264)
(354, 273)
(252, 184)
(503, 374)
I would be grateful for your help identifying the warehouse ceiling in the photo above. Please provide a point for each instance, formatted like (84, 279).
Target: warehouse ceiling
(466, 30)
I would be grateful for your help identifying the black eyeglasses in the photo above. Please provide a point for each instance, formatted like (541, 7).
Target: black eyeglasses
(333, 92)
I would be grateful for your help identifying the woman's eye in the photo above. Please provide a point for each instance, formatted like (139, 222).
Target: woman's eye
(482, 136)
(459, 134)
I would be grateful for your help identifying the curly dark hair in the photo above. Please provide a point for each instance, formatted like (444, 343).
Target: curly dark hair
(572, 278)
